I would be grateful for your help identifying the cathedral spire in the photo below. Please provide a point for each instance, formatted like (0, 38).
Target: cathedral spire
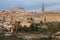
(42, 7)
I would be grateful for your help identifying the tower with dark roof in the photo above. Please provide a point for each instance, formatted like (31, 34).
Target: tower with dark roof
(42, 7)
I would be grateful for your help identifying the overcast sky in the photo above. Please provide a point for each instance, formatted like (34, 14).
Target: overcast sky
(30, 5)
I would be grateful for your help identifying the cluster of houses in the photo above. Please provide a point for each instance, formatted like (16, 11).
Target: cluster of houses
(10, 16)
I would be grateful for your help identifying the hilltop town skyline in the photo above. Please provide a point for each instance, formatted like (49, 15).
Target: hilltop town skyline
(29, 19)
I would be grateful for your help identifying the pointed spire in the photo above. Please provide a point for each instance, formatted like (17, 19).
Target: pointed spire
(42, 7)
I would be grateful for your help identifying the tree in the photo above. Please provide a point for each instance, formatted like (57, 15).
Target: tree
(17, 26)
(45, 19)
(31, 19)
(25, 29)
(33, 27)
(3, 19)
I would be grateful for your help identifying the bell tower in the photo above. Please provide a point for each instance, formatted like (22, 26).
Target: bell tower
(42, 7)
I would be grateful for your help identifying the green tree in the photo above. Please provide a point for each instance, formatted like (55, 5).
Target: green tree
(25, 29)
(33, 27)
(17, 26)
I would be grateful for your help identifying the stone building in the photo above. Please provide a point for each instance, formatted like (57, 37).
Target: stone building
(49, 16)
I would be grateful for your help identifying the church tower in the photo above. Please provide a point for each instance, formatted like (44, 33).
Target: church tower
(42, 7)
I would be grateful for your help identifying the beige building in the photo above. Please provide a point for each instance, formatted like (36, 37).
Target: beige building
(50, 16)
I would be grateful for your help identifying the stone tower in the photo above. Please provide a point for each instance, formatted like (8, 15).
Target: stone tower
(42, 7)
